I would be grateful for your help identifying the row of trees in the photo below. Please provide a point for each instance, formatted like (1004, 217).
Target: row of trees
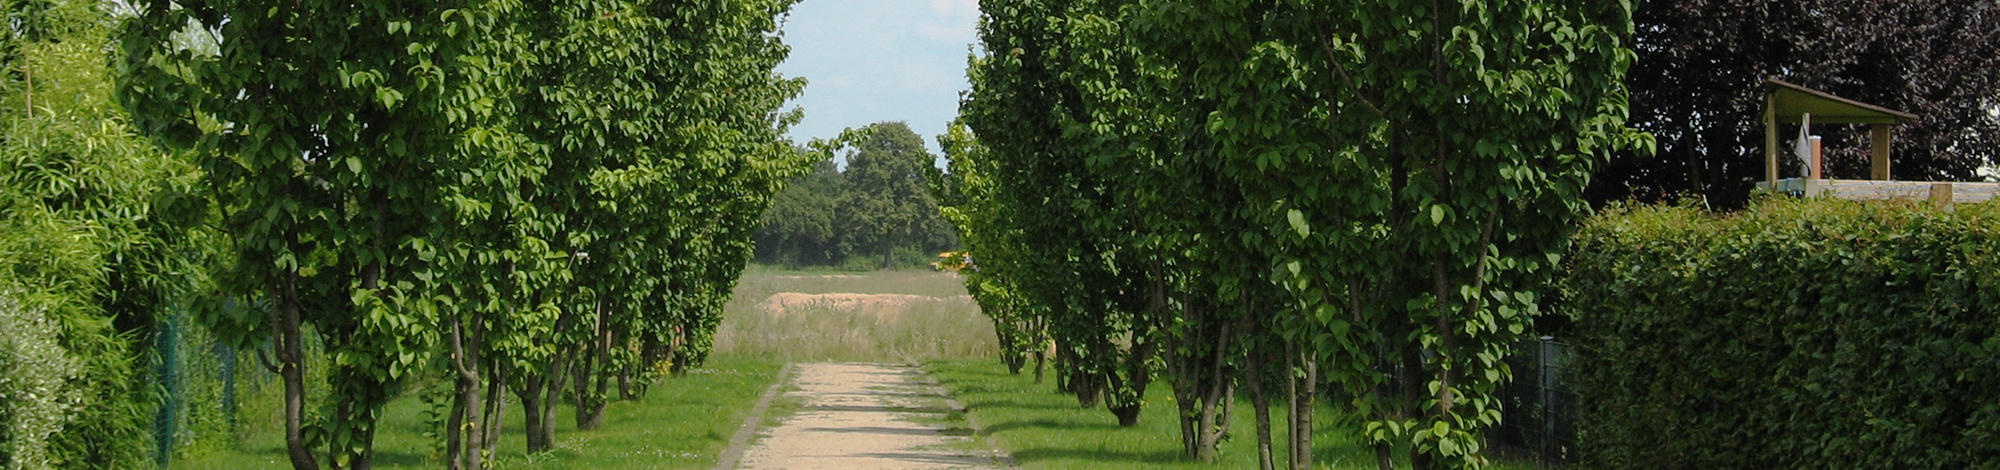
(550, 198)
(879, 209)
(1374, 194)
(1275, 196)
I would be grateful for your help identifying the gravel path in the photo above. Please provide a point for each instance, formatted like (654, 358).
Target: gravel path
(876, 416)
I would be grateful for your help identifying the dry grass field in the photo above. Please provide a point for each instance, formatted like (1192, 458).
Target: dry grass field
(895, 316)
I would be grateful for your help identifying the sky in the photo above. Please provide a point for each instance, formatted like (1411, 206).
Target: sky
(867, 61)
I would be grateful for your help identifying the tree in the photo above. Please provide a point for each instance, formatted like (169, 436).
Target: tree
(1388, 178)
(888, 204)
(1697, 86)
(1411, 167)
(987, 228)
(798, 229)
(663, 129)
(324, 144)
(1096, 293)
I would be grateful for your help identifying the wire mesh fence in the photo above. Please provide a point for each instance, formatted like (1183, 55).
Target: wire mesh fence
(1539, 407)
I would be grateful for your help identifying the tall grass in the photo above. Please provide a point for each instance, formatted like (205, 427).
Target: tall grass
(904, 316)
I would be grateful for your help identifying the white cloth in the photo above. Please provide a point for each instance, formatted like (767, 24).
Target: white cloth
(1803, 149)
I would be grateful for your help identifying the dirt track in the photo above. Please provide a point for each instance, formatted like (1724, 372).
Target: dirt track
(877, 416)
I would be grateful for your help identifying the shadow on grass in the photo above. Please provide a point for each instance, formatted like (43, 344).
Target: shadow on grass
(1012, 404)
(1055, 455)
(1004, 427)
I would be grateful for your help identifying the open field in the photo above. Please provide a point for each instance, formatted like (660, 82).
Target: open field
(903, 316)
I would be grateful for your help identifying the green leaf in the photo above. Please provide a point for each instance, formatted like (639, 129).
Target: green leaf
(1298, 222)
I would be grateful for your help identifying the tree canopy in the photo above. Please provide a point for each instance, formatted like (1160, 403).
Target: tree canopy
(1697, 86)
(878, 213)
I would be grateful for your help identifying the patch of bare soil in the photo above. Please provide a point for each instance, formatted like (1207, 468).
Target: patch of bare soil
(876, 416)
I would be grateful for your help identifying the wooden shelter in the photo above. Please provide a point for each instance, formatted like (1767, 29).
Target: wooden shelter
(1787, 102)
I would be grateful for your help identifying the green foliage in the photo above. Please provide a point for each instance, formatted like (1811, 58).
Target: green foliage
(1379, 185)
(35, 396)
(888, 203)
(1817, 333)
(877, 214)
(96, 229)
(1076, 259)
(985, 227)
(797, 229)
(1409, 169)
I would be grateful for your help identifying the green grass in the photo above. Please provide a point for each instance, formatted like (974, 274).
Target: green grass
(683, 422)
(1046, 429)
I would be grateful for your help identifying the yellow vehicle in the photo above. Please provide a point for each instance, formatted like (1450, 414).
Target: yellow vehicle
(952, 261)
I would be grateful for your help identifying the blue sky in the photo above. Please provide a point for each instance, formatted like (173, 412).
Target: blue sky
(879, 60)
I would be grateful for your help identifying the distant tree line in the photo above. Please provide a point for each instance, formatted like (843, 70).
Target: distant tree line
(877, 213)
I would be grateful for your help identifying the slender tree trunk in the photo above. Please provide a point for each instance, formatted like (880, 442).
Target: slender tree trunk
(1302, 392)
(1413, 395)
(455, 422)
(1261, 404)
(552, 395)
(589, 377)
(465, 437)
(291, 352)
(496, 407)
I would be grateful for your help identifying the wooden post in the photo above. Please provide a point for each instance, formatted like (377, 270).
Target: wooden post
(1878, 162)
(1771, 139)
(1818, 165)
(1941, 194)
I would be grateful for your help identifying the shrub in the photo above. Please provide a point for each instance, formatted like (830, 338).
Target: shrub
(35, 399)
(1797, 334)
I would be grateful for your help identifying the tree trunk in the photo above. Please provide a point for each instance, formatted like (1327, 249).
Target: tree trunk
(465, 435)
(1261, 404)
(496, 407)
(1302, 391)
(453, 423)
(291, 352)
(589, 377)
(1413, 394)
(1041, 357)
(531, 410)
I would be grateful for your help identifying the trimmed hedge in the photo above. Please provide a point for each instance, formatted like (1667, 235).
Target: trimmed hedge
(1797, 334)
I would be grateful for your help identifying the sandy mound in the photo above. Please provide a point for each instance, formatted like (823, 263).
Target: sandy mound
(884, 306)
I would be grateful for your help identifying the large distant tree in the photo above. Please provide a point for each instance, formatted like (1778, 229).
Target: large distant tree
(1696, 87)
(889, 204)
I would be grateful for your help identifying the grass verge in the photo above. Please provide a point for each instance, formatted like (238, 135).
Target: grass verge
(683, 422)
(1043, 428)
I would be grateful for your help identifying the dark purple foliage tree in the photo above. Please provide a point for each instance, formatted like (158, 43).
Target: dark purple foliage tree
(1697, 88)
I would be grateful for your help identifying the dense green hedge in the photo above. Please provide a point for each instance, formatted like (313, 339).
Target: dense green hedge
(1797, 334)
